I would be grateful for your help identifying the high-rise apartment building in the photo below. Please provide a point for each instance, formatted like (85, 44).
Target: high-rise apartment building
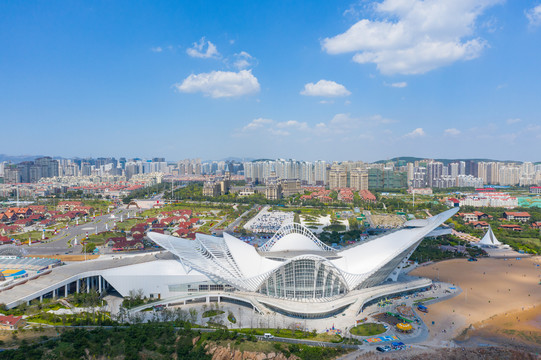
(338, 177)
(359, 179)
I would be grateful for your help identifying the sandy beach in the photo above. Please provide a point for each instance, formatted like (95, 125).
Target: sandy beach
(490, 287)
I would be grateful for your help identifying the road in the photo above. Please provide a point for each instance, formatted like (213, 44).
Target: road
(235, 223)
(59, 244)
(368, 216)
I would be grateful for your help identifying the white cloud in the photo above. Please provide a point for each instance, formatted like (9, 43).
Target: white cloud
(513, 121)
(219, 84)
(293, 124)
(534, 15)
(414, 36)
(198, 49)
(325, 88)
(416, 133)
(256, 124)
(378, 119)
(335, 129)
(243, 60)
(156, 49)
(342, 123)
(452, 132)
(402, 84)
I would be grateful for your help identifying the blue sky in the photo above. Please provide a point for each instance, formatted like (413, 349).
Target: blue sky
(333, 80)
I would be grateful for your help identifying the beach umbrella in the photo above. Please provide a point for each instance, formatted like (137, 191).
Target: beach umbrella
(404, 327)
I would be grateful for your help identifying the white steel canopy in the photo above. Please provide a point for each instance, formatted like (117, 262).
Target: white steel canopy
(239, 264)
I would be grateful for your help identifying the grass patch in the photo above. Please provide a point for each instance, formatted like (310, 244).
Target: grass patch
(211, 313)
(216, 325)
(231, 318)
(368, 329)
(127, 224)
(423, 300)
(335, 227)
(294, 334)
(100, 238)
(34, 235)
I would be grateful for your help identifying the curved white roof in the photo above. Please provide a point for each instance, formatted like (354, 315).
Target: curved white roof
(364, 259)
(416, 223)
(239, 264)
(294, 242)
(294, 237)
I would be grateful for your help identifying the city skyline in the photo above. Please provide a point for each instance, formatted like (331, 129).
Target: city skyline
(299, 81)
(15, 159)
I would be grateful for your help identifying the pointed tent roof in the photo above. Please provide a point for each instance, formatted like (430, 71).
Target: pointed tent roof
(489, 238)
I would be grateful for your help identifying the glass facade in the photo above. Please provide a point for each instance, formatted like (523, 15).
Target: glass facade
(304, 279)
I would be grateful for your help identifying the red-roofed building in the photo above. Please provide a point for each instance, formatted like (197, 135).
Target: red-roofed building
(480, 225)
(366, 195)
(23, 222)
(468, 217)
(11, 322)
(482, 215)
(517, 216)
(9, 229)
(68, 205)
(38, 209)
(181, 232)
(453, 202)
(511, 227)
(51, 213)
(36, 217)
(536, 225)
(123, 244)
(5, 240)
(46, 222)
(138, 229)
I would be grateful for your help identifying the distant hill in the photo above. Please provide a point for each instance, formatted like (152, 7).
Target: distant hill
(445, 161)
(18, 158)
(237, 159)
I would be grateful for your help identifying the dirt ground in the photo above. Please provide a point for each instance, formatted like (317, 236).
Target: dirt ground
(11, 338)
(387, 220)
(68, 257)
(478, 353)
(520, 328)
(490, 288)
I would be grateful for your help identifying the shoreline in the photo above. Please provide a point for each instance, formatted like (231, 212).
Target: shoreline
(491, 287)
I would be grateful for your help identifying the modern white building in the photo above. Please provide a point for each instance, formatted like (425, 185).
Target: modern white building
(289, 272)
(294, 273)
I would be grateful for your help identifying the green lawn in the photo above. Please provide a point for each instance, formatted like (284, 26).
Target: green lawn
(35, 235)
(368, 329)
(101, 238)
(335, 227)
(211, 313)
(293, 334)
(127, 224)
(423, 300)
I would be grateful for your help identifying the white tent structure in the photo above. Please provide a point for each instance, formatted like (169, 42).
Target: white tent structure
(489, 240)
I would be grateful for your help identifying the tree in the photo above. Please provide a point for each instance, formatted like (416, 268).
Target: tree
(88, 247)
(193, 315)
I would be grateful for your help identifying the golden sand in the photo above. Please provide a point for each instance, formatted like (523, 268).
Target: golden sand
(490, 287)
(69, 257)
